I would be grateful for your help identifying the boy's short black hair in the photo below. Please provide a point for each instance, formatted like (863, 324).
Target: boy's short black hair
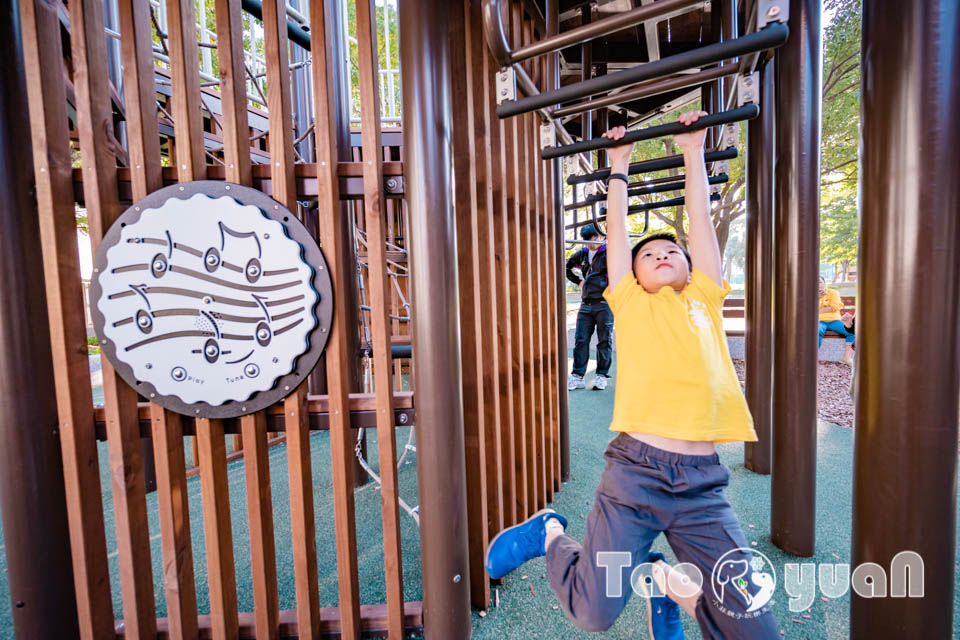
(658, 235)
(588, 231)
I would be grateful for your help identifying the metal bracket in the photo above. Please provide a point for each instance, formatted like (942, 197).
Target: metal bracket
(719, 167)
(548, 135)
(772, 11)
(571, 165)
(590, 189)
(747, 88)
(506, 85)
(731, 134)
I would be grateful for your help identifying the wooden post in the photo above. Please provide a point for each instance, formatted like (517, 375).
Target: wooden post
(32, 495)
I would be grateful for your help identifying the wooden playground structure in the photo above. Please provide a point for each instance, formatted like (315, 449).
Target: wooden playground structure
(444, 240)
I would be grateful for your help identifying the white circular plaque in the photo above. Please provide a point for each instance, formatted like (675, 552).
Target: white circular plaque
(207, 300)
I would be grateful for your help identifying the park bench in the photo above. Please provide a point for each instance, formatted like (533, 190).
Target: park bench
(734, 308)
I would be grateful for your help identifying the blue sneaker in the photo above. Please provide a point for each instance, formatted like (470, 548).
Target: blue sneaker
(515, 545)
(663, 614)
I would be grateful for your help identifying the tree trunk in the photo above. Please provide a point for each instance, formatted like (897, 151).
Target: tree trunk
(722, 228)
(846, 270)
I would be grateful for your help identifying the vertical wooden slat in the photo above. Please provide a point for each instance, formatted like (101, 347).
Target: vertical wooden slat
(524, 286)
(278, 98)
(303, 531)
(379, 298)
(210, 441)
(514, 239)
(526, 289)
(326, 27)
(263, 558)
(185, 89)
(549, 308)
(43, 57)
(140, 102)
(538, 497)
(221, 577)
(94, 121)
(560, 324)
(233, 91)
(303, 528)
(178, 576)
(168, 450)
(500, 213)
(543, 410)
(236, 153)
(478, 109)
(471, 338)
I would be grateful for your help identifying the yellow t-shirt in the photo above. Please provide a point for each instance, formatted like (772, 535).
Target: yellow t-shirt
(830, 297)
(674, 374)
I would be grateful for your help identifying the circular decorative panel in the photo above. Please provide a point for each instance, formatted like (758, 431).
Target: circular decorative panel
(211, 299)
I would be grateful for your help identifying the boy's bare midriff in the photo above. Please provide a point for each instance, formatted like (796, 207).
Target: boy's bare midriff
(687, 447)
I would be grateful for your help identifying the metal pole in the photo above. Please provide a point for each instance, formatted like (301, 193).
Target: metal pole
(796, 259)
(657, 164)
(428, 163)
(676, 183)
(709, 104)
(637, 208)
(759, 288)
(552, 9)
(592, 30)
(908, 307)
(770, 37)
(651, 88)
(32, 496)
(746, 112)
(586, 72)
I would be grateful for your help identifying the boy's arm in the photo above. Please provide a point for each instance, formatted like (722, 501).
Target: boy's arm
(701, 238)
(571, 263)
(618, 246)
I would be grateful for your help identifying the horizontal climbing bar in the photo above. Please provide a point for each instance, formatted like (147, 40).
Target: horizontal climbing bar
(746, 112)
(651, 88)
(638, 208)
(642, 190)
(493, 28)
(659, 164)
(295, 32)
(770, 37)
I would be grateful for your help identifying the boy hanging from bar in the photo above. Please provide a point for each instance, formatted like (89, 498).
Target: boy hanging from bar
(677, 394)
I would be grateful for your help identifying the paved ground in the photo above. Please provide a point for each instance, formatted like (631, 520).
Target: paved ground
(369, 534)
(526, 606)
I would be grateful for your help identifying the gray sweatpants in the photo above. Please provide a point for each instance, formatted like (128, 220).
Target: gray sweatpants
(645, 491)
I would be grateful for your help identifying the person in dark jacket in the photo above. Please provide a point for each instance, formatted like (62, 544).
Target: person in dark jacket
(591, 263)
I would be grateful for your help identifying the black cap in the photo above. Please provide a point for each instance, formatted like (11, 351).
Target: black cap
(588, 231)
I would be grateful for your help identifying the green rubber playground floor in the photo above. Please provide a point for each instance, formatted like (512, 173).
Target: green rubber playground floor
(527, 608)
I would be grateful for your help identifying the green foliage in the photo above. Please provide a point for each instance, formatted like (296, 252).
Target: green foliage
(840, 132)
(388, 57)
(730, 207)
(93, 345)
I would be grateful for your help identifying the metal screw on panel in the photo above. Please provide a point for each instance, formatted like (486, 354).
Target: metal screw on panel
(456, 578)
(774, 11)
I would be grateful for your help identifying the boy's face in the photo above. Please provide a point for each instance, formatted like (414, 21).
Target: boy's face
(822, 285)
(661, 263)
